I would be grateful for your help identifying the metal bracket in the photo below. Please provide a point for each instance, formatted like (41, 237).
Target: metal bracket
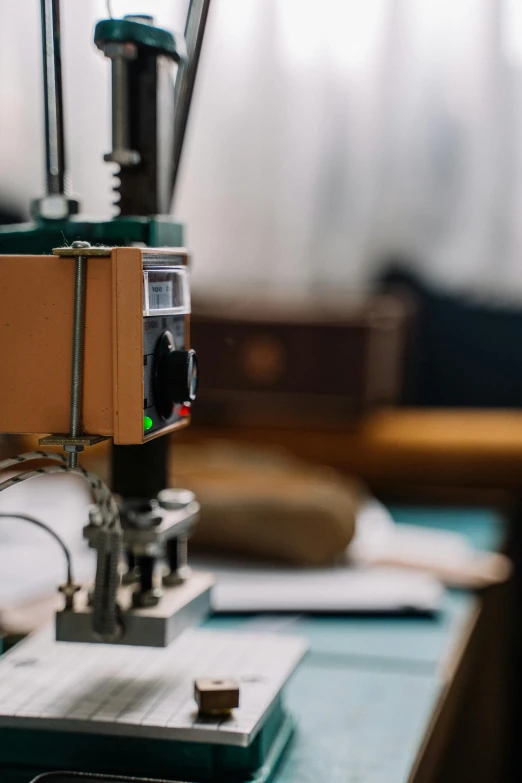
(151, 539)
(68, 440)
(181, 607)
(69, 252)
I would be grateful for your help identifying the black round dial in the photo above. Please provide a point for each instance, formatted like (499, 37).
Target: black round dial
(175, 375)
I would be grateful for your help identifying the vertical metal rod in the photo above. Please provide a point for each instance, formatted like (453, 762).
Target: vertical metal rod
(53, 101)
(80, 279)
(120, 56)
(120, 108)
(78, 334)
(186, 78)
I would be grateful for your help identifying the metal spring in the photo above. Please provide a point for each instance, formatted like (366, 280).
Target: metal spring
(116, 184)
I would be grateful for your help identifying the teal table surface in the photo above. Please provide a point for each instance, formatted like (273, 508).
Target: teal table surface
(364, 696)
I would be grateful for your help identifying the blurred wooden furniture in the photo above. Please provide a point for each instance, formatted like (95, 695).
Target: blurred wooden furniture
(407, 452)
(267, 363)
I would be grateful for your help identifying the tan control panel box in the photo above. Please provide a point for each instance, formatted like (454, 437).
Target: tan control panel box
(139, 374)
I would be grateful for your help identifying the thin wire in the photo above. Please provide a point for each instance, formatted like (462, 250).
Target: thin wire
(43, 526)
(109, 9)
(116, 778)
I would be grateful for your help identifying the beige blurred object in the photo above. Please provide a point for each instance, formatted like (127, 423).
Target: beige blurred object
(266, 504)
(479, 570)
(448, 555)
(24, 618)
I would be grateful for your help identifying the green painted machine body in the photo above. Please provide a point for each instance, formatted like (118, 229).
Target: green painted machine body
(25, 754)
(40, 237)
(143, 35)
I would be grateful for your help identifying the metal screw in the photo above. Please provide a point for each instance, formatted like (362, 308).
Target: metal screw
(146, 595)
(177, 559)
(177, 548)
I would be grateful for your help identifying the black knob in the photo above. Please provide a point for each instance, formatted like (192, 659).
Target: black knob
(175, 376)
(181, 375)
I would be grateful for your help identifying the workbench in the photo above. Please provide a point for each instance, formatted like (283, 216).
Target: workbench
(393, 700)
(398, 700)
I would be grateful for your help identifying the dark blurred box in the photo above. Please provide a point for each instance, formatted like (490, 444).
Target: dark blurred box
(294, 366)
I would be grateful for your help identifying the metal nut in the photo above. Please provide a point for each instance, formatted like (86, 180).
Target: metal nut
(216, 697)
(54, 207)
(177, 577)
(95, 515)
(73, 448)
(140, 514)
(123, 156)
(127, 51)
(144, 600)
(173, 499)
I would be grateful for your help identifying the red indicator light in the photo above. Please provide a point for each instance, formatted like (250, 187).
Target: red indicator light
(184, 410)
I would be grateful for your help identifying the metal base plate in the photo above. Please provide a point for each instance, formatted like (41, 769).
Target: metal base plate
(181, 607)
(109, 709)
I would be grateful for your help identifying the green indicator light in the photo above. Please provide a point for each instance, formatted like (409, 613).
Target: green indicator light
(147, 422)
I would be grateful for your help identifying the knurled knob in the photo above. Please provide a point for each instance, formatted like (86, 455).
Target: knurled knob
(180, 375)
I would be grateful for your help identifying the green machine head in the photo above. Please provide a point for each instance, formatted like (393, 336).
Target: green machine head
(153, 72)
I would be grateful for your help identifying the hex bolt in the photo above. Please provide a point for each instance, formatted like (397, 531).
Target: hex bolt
(177, 560)
(146, 595)
(177, 548)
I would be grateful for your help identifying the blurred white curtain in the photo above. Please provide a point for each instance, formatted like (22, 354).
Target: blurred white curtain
(325, 135)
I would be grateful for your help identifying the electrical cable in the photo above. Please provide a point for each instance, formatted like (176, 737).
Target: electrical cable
(43, 526)
(108, 544)
(101, 492)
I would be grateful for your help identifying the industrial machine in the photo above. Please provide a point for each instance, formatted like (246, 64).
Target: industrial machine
(103, 328)
(113, 328)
